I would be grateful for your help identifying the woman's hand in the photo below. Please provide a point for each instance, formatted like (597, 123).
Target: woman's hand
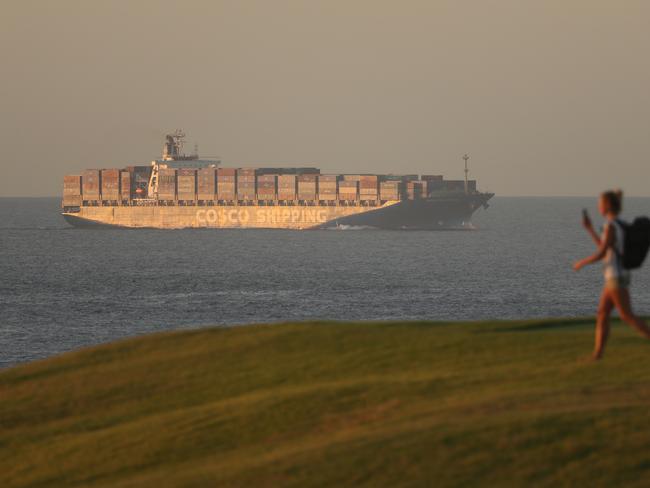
(578, 265)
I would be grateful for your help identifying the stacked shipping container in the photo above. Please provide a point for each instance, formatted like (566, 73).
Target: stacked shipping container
(431, 183)
(267, 187)
(186, 184)
(226, 184)
(389, 190)
(72, 191)
(125, 185)
(414, 190)
(307, 187)
(454, 185)
(287, 187)
(246, 184)
(348, 189)
(368, 187)
(167, 184)
(229, 184)
(327, 187)
(91, 184)
(110, 184)
(206, 184)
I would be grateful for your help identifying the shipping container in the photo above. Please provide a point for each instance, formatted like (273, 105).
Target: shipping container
(110, 184)
(91, 184)
(287, 181)
(307, 178)
(71, 190)
(454, 185)
(206, 179)
(398, 178)
(368, 178)
(327, 178)
(246, 184)
(327, 186)
(434, 185)
(307, 187)
(307, 191)
(226, 190)
(414, 190)
(390, 184)
(348, 189)
(327, 193)
(226, 184)
(125, 185)
(286, 187)
(72, 185)
(266, 187)
(186, 184)
(221, 172)
(72, 200)
(245, 192)
(389, 190)
(307, 171)
(368, 185)
(166, 184)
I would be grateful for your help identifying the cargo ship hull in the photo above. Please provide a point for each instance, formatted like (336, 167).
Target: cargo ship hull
(435, 213)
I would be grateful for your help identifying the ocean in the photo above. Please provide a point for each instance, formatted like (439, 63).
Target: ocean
(62, 288)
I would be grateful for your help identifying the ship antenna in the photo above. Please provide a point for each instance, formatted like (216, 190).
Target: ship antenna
(466, 158)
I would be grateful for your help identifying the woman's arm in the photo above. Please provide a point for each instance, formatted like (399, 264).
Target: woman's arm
(586, 223)
(605, 243)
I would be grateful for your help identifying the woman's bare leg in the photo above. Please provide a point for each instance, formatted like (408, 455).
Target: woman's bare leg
(602, 323)
(621, 297)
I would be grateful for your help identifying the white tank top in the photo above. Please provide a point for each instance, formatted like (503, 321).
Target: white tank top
(613, 265)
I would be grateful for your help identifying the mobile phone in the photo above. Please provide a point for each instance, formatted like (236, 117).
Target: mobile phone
(585, 214)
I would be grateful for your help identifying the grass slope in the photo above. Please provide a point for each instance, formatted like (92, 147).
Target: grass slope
(330, 404)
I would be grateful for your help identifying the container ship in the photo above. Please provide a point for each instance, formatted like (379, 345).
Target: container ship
(184, 191)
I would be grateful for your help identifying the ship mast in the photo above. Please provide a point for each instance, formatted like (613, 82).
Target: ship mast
(466, 158)
(173, 147)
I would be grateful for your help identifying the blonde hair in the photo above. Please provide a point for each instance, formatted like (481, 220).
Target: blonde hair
(614, 200)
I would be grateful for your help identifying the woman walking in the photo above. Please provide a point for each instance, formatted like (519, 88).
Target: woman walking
(617, 278)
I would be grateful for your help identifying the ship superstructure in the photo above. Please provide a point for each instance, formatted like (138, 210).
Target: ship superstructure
(180, 191)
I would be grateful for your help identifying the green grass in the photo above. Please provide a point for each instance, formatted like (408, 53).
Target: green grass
(331, 404)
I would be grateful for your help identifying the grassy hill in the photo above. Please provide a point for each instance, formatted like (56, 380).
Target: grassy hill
(331, 404)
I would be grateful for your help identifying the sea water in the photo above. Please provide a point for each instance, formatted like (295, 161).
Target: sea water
(62, 288)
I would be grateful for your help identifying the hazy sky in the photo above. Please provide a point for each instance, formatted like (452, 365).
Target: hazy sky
(548, 97)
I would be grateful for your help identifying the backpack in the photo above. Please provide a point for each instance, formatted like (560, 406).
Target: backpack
(636, 242)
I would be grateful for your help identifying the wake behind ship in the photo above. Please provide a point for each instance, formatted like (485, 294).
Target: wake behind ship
(181, 191)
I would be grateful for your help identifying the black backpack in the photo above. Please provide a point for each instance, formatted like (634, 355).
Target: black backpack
(636, 242)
